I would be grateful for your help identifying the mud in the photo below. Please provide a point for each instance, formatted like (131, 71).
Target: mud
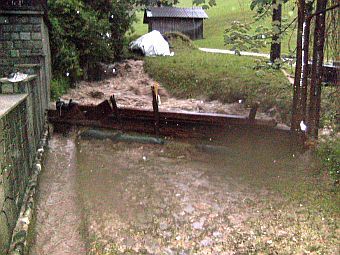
(58, 224)
(178, 199)
(243, 194)
(132, 88)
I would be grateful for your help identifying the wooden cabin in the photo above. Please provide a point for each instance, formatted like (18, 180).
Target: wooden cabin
(189, 21)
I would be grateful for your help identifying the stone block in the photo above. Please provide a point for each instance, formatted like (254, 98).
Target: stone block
(7, 44)
(25, 36)
(34, 20)
(7, 28)
(4, 20)
(13, 19)
(28, 44)
(15, 36)
(37, 45)
(23, 19)
(37, 51)
(36, 36)
(36, 28)
(6, 37)
(26, 28)
(25, 53)
(14, 53)
(17, 28)
(18, 44)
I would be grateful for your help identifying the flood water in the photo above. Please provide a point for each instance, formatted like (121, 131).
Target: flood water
(184, 197)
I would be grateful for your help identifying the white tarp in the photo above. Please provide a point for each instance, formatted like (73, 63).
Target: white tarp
(152, 44)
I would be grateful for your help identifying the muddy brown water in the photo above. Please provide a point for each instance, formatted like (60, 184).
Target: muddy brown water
(58, 224)
(184, 197)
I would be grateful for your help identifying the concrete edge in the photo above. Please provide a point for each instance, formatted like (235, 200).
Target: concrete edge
(19, 101)
(19, 243)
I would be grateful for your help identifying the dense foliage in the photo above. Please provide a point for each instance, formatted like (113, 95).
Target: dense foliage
(78, 38)
(85, 32)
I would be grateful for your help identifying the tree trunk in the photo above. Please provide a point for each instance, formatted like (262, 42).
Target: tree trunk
(316, 76)
(296, 112)
(275, 48)
(305, 59)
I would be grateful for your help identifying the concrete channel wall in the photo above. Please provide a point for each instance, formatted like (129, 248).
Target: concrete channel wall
(24, 47)
(22, 121)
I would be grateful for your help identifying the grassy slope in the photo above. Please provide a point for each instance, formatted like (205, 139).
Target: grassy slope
(228, 78)
(220, 17)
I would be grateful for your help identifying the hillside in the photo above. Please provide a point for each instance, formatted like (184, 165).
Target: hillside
(220, 17)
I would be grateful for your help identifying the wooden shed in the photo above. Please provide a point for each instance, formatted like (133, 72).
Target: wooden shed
(189, 21)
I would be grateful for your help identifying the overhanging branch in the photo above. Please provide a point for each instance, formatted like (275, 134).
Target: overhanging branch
(323, 11)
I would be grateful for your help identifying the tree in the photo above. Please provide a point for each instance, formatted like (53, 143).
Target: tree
(301, 83)
(76, 38)
(262, 7)
(275, 48)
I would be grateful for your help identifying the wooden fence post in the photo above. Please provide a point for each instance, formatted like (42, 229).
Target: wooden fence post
(155, 109)
(116, 110)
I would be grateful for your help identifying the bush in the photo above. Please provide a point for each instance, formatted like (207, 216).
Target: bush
(329, 153)
(59, 86)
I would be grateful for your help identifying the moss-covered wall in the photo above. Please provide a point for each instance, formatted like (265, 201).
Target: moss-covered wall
(21, 129)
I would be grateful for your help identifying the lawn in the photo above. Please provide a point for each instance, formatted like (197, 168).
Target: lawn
(220, 17)
(228, 78)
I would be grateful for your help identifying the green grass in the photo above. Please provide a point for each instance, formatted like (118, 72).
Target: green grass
(228, 78)
(220, 18)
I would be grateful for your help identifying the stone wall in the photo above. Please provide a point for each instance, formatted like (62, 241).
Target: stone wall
(24, 46)
(24, 40)
(15, 168)
(21, 129)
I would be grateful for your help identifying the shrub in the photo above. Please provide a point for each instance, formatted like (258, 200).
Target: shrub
(77, 38)
(59, 86)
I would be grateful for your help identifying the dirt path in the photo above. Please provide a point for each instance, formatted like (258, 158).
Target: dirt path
(58, 215)
(132, 89)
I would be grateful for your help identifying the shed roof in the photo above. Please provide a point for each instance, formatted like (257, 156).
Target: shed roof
(175, 12)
